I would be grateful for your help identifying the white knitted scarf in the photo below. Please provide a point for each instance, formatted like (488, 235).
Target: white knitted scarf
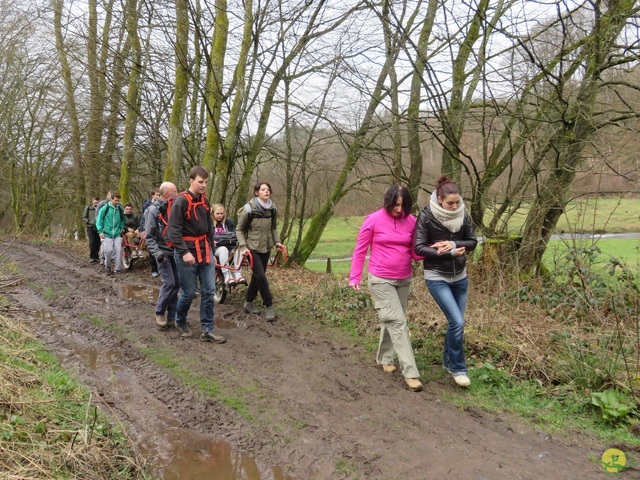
(451, 220)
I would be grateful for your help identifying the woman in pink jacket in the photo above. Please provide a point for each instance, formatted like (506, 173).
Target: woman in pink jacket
(388, 233)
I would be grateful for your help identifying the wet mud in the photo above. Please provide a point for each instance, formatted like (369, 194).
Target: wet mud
(306, 405)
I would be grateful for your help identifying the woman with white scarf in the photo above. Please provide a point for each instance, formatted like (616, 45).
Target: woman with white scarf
(257, 233)
(444, 233)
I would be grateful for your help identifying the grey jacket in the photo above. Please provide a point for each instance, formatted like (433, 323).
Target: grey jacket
(153, 226)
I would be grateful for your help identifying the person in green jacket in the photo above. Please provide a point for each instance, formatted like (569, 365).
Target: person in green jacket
(110, 223)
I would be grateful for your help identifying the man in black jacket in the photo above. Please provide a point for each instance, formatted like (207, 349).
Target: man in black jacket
(89, 217)
(190, 231)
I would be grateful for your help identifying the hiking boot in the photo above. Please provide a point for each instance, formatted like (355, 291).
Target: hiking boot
(161, 321)
(212, 337)
(388, 367)
(271, 314)
(170, 324)
(249, 307)
(184, 330)
(414, 384)
(462, 380)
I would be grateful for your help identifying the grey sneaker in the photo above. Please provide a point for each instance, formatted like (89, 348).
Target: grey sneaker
(184, 330)
(160, 320)
(271, 314)
(212, 337)
(249, 307)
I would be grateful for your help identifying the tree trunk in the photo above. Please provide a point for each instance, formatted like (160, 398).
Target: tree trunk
(415, 97)
(453, 124)
(320, 220)
(214, 94)
(174, 169)
(72, 112)
(568, 144)
(131, 119)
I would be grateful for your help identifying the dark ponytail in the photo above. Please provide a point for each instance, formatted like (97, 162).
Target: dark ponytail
(445, 187)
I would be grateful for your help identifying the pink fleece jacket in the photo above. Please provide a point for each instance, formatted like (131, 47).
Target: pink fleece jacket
(391, 243)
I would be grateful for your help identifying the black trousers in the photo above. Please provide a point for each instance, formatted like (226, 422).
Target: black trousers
(259, 282)
(94, 243)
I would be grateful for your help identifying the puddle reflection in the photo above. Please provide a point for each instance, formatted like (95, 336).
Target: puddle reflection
(225, 324)
(171, 452)
(126, 291)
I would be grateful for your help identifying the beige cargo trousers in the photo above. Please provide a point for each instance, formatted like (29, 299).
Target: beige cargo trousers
(390, 299)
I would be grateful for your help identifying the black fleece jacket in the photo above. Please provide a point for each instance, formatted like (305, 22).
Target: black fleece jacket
(429, 231)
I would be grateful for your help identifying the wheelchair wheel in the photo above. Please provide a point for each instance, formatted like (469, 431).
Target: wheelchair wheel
(220, 294)
(127, 259)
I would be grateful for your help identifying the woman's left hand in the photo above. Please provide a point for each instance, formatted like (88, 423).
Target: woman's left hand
(442, 247)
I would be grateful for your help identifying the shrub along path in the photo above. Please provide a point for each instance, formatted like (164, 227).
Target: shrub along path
(291, 394)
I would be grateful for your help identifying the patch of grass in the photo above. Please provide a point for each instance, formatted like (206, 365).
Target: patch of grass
(100, 322)
(556, 409)
(188, 374)
(49, 427)
(347, 468)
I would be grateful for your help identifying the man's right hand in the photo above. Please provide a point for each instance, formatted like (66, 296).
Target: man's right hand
(189, 259)
(102, 235)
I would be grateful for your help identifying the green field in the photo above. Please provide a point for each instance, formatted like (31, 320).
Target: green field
(610, 215)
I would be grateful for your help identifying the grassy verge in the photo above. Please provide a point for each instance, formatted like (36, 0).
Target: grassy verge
(50, 427)
(521, 361)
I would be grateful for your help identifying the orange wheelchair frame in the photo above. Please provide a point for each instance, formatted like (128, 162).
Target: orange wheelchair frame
(222, 289)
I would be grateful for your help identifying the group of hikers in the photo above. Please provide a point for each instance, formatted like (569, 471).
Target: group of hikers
(184, 234)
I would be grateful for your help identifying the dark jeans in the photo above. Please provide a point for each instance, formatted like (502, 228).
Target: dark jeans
(188, 274)
(94, 243)
(259, 282)
(168, 296)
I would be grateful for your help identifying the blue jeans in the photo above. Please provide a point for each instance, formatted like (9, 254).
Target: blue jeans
(188, 275)
(452, 300)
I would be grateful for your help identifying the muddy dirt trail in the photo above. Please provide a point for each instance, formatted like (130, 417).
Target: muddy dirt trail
(304, 405)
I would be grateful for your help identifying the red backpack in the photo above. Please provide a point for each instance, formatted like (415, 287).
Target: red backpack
(191, 208)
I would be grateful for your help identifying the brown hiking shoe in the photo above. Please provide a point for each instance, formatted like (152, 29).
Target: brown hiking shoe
(414, 384)
(161, 321)
(388, 367)
(212, 337)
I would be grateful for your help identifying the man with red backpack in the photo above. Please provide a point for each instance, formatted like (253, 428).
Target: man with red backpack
(155, 223)
(190, 232)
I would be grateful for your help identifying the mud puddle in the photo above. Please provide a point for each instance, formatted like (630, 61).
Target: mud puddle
(169, 451)
(147, 294)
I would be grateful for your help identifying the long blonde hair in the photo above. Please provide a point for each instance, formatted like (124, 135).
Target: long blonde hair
(218, 206)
